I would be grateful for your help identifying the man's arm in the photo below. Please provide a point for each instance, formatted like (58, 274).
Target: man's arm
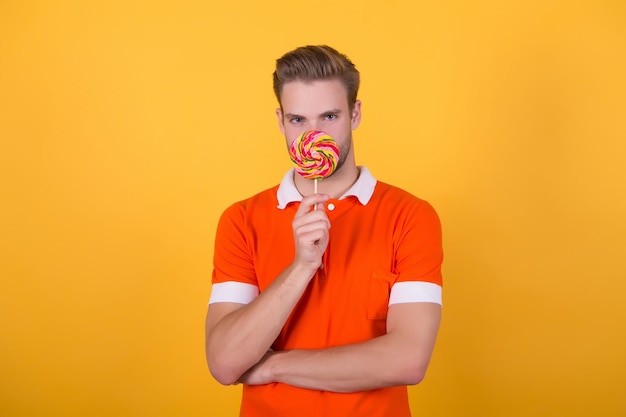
(238, 335)
(399, 357)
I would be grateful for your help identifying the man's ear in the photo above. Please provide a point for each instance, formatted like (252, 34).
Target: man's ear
(279, 115)
(356, 114)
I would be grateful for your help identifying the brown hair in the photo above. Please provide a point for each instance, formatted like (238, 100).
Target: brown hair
(316, 62)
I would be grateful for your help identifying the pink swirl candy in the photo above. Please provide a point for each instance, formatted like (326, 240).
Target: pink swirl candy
(314, 154)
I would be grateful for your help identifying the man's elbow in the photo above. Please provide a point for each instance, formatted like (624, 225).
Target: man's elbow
(413, 374)
(223, 374)
(221, 367)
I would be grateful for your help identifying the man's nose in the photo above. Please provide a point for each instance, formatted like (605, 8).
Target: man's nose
(314, 125)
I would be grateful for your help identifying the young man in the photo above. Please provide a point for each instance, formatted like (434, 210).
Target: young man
(327, 312)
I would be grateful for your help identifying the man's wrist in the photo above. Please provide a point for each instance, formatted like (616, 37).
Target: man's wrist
(275, 366)
(303, 270)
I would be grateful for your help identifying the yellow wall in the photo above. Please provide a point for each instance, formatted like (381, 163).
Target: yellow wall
(127, 127)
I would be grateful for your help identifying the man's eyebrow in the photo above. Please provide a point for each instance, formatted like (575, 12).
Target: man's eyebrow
(299, 116)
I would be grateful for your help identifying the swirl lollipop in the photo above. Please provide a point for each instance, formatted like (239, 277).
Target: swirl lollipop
(315, 155)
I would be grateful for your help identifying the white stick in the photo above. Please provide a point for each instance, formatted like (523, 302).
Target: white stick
(315, 191)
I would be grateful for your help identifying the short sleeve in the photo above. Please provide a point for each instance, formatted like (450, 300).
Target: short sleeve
(419, 255)
(232, 260)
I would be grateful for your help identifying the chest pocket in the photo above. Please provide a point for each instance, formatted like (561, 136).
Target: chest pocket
(381, 282)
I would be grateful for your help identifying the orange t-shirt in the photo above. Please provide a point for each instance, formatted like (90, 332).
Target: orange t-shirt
(380, 236)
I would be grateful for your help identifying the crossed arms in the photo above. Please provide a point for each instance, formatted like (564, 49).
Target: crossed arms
(239, 337)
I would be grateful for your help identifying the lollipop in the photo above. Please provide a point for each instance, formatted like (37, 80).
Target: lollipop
(315, 155)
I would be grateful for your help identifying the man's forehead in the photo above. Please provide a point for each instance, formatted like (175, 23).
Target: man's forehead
(324, 95)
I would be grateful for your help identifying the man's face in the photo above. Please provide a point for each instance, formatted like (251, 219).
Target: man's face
(319, 105)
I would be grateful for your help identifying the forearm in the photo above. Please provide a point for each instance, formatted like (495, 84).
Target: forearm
(357, 367)
(239, 339)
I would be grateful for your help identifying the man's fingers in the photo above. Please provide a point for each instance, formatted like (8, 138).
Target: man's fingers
(313, 236)
(310, 228)
(313, 220)
(320, 224)
(308, 202)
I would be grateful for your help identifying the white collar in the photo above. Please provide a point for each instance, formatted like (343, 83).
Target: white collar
(363, 188)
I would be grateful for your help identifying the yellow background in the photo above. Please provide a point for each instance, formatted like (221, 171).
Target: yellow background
(127, 127)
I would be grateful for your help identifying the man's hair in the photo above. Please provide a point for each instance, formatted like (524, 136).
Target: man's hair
(316, 62)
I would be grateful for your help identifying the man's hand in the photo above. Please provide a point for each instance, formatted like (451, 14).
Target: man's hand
(310, 232)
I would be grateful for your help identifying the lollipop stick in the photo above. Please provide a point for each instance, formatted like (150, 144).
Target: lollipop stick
(315, 191)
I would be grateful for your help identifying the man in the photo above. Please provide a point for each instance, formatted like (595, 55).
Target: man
(327, 312)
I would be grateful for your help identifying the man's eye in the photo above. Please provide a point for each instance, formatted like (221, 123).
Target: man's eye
(296, 120)
(330, 116)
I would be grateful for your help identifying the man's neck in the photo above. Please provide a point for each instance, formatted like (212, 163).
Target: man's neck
(335, 186)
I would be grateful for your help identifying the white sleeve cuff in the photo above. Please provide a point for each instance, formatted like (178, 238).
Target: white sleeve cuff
(415, 292)
(233, 292)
